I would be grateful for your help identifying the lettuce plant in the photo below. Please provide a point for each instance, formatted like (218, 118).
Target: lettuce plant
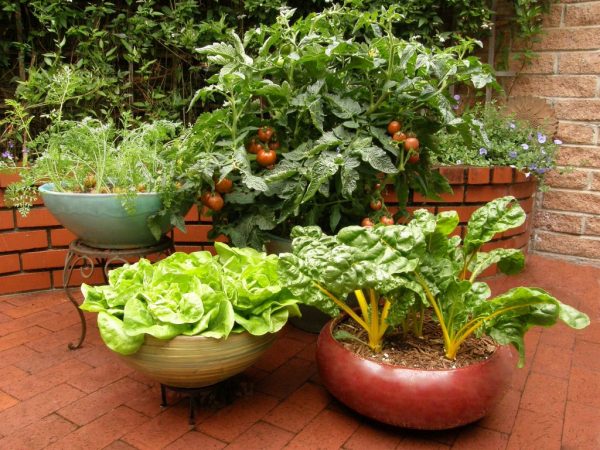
(399, 272)
(194, 294)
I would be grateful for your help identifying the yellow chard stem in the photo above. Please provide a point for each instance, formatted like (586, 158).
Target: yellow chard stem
(383, 326)
(436, 309)
(374, 331)
(362, 302)
(343, 306)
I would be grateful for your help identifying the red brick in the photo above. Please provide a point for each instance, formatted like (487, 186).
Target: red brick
(33, 410)
(522, 190)
(194, 233)
(527, 205)
(77, 278)
(579, 156)
(23, 240)
(102, 431)
(6, 401)
(23, 282)
(542, 64)
(197, 440)
(577, 179)
(567, 39)
(577, 109)
(564, 244)
(47, 259)
(283, 349)
(193, 215)
(575, 133)
(581, 427)
(454, 175)
(27, 304)
(9, 263)
(595, 181)
(146, 402)
(61, 237)
(119, 445)
(475, 438)
(464, 212)
(583, 202)
(592, 226)
(37, 217)
(295, 412)
(587, 355)
(555, 85)
(373, 437)
(98, 377)
(17, 355)
(231, 421)
(502, 175)
(40, 434)
(262, 436)
(559, 222)
(559, 336)
(329, 430)
(389, 195)
(102, 401)
(579, 62)
(484, 194)
(7, 221)
(8, 178)
(502, 417)
(287, 378)
(582, 15)
(188, 248)
(478, 175)
(584, 386)
(27, 321)
(455, 197)
(10, 375)
(534, 430)
(544, 393)
(161, 430)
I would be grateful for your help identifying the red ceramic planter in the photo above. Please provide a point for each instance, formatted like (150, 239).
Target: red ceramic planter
(412, 398)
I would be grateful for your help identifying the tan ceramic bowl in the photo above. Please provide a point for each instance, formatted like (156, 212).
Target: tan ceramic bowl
(196, 361)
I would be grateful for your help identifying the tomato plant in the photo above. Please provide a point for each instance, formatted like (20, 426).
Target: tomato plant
(399, 136)
(411, 143)
(265, 133)
(266, 157)
(367, 223)
(386, 220)
(375, 205)
(215, 201)
(393, 127)
(224, 185)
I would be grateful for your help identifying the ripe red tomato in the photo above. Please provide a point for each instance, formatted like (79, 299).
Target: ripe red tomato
(224, 186)
(393, 127)
(204, 197)
(254, 146)
(274, 145)
(399, 136)
(265, 133)
(414, 158)
(266, 157)
(386, 220)
(367, 223)
(375, 205)
(411, 143)
(215, 201)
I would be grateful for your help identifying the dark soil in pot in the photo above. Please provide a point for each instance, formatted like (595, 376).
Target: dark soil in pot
(407, 350)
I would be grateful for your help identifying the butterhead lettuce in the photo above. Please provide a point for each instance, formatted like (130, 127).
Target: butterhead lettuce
(195, 294)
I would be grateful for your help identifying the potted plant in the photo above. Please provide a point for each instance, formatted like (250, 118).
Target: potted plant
(312, 119)
(191, 320)
(424, 349)
(498, 139)
(114, 187)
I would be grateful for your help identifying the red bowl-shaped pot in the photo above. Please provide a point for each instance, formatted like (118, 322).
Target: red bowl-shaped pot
(413, 398)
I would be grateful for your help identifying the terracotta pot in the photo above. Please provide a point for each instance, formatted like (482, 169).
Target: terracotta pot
(196, 361)
(413, 398)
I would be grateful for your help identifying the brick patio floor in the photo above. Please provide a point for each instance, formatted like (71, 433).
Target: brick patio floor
(51, 397)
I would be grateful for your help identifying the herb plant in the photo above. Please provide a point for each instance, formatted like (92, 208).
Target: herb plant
(194, 294)
(302, 130)
(90, 156)
(498, 140)
(399, 272)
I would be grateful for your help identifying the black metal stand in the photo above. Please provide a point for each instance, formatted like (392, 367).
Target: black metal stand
(88, 258)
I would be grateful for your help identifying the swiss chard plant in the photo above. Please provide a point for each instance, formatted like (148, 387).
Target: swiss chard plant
(399, 273)
(194, 294)
(314, 114)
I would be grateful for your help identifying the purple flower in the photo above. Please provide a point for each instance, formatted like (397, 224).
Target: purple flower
(541, 138)
(558, 141)
(512, 126)
(7, 155)
(525, 146)
(11, 144)
(482, 151)
(512, 154)
(25, 150)
(541, 170)
(456, 97)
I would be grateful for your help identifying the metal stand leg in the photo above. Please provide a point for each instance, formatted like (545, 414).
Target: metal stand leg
(70, 263)
(163, 396)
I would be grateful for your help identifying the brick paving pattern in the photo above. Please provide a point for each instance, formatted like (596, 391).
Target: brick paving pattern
(54, 398)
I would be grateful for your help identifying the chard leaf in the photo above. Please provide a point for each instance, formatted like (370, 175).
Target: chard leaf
(510, 261)
(495, 217)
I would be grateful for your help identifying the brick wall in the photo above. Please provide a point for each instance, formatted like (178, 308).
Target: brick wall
(33, 249)
(567, 74)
